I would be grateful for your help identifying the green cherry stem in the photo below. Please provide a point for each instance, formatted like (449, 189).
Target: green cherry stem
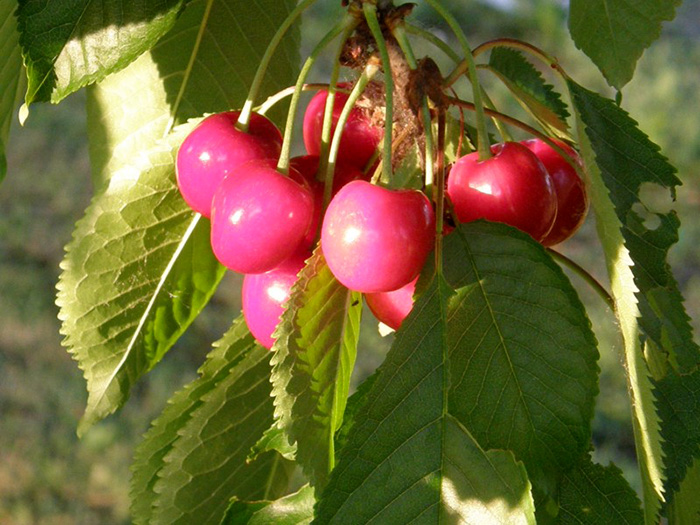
(272, 100)
(370, 12)
(341, 27)
(482, 133)
(244, 117)
(583, 274)
(430, 37)
(358, 88)
(513, 43)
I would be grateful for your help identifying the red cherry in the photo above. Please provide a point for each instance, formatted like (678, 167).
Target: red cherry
(215, 148)
(307, 165)
(572, 197)
(259, 217)
(360, 138)
(391, 308)
(265, 294)
(375, 239)
(511, 187)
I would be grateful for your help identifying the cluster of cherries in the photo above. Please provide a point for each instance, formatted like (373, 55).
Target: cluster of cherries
(375, 240)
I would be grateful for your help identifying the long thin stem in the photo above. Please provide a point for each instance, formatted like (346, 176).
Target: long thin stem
(583, 274)
(244, 117)
(272, 100)
(370, 11)
(433, 39)
(340, 27)
(481, 130)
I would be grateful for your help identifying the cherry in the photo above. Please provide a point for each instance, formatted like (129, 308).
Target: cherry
(265, 294)
(259, 217)
(359, 140)
(375, 239)
(391, 308)
(511, 187)
(307, 165)
(572, 197)
(215, 148)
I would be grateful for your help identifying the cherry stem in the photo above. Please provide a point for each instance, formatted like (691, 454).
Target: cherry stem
(340, 27)
(583, 274)
(481, 130)
(430, 37)
(521, 125)
(244, 117)
(535, 51)
(263, 108)
(370, 11)
(439, 190)
(360, 85)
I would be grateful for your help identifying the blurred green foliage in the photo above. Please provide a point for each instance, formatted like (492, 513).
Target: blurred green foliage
(48, 476)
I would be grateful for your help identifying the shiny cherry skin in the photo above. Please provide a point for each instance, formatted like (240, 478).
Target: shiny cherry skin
(216, 148)
(359, 140)
(259, 217)
(264, 296)
(307, 165)
(512, 187)
(375, 239)
(572, 197)
(391, 308)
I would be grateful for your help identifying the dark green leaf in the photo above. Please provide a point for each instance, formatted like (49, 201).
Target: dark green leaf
(406, 459)
(529, 87)
(355, 401)
(138, 271)
(164, 431)
(678, 403)
(206, 465)
(628, 161)
(295, 509)
(314, 357)
(523, 358)
(73, 43)
(11, 78)
(615, 33)
(685, 506)
(274, 438)
(597, 495)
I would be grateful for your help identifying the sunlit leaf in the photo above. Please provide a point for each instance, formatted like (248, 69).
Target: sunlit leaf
(406, 459)
(72, 43)
(295, 509)
(615, 33)
(228, 409)
(314, 357)
(637, 239)
(11, 75)
(523, 358)
(594, 494)
(138, 271)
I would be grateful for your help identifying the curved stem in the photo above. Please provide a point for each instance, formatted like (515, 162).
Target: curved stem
(482, 133)
(244, 117)
(283, 163)
(367, 74)
(370, 11)
(430, 37)
(286, 92)
(583, 274)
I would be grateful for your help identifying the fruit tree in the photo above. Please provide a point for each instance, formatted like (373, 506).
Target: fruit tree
(437, 198)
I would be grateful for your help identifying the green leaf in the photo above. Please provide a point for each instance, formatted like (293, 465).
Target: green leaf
(314, 357)
(11, 78)
(158, 441)
(274, 438)
(523, 357)
(407, 460)
(73, 43)
(685, 507)
(530, 89)
(295, 509)
(597, 495)
(206, 465)
(628, 161)
(138, 271)
(645, 420)
(175, 80)
(615, 33)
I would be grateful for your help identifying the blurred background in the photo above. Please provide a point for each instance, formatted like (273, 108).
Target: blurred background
(47, 475)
